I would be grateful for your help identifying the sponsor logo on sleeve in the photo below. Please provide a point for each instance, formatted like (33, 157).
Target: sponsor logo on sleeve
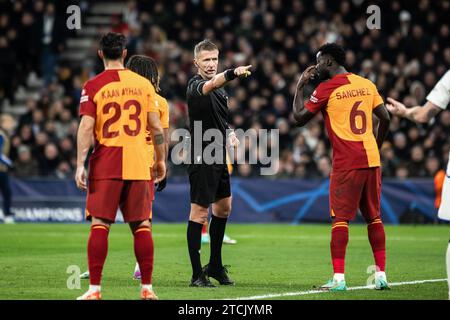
(84, 97)
(313, 97)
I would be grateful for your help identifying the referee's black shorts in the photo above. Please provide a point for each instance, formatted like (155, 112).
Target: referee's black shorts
(209, 183)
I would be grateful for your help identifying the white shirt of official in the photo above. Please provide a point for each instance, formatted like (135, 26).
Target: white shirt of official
(440, 96)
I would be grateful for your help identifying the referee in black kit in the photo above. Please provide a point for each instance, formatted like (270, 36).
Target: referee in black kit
(210, 183)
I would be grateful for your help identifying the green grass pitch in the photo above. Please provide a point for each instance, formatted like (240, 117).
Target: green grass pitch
(268, 259)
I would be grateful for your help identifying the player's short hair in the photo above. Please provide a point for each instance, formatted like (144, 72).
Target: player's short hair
(206, 44)
(112, 45)
(146, 67)
(334, 50)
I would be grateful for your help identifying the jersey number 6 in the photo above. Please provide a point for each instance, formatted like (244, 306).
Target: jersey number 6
(355, 113)
(116, 116)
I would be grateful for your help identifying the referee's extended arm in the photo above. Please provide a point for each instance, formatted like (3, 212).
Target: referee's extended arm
(219, 80)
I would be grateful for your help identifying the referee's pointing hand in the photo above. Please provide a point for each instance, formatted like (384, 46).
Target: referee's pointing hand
(243, 71)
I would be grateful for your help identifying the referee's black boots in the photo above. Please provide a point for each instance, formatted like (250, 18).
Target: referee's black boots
(202, 281)
(220, 274)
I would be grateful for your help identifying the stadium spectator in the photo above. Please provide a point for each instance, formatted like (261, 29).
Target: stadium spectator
(63, 171)
(324, 167)
(50, 160)
(401, 171)
(25, 165)
(389, 161)
(433, 166)
(416, 166)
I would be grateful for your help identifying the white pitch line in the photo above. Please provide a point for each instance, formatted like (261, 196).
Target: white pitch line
(302, 293)
(300, 237)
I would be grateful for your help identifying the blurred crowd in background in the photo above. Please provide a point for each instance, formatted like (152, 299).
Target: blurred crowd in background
(278, 38)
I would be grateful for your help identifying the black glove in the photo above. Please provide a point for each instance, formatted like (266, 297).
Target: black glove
(162, 184)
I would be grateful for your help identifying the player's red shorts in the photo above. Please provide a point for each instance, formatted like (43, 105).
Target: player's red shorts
(151, 195)
(151, 190)
(353, 189)
(133, 197)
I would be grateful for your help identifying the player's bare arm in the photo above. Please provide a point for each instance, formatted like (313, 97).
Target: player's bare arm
(383, 126)
(162, 184)
(301, 114)
(221, 79)
(84, 139)
(159, 144)
(166, 143)
(418, 114)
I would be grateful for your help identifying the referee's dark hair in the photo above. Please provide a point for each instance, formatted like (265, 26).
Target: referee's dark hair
(206, 44)
(146, 67)
(112, 45)
(335, 51)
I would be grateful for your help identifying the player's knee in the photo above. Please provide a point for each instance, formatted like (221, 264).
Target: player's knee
(98, 221)
(139, 224)
(377, 219)
(199, 219)
(199, 215)
(339, 220)
(222, 208)
(223, 212)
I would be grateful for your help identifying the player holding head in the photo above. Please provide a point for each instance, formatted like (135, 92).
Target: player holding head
(209, 183)
(148, 68)
(437, 100)
(347, 102)
(115, 108)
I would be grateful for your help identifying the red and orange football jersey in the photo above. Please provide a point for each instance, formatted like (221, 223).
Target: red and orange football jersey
(347, 102)
(162, 108)
(119, 100)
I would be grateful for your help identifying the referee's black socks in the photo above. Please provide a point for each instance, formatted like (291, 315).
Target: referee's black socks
(194, 239)
(216, 234)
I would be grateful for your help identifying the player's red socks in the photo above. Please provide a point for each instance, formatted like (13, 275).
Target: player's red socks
(143, 249)
(97, 250)
(338, 245)
(377, 240)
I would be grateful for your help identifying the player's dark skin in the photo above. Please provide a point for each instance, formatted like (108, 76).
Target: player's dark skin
(327, 68)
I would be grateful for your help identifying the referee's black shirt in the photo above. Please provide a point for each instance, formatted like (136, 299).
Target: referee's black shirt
(210, 109)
